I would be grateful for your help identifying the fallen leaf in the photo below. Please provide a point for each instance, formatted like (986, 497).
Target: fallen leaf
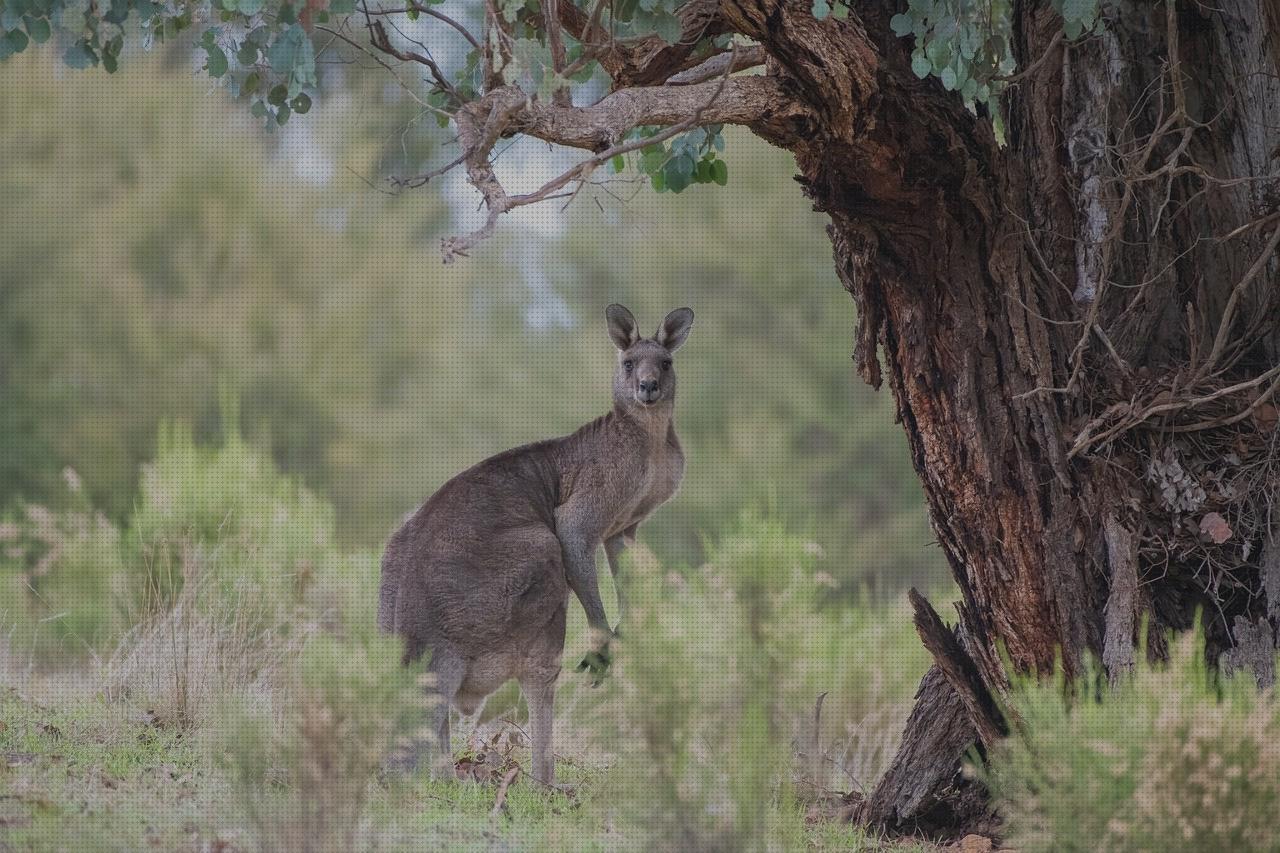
(975, 844)
(1215, 527)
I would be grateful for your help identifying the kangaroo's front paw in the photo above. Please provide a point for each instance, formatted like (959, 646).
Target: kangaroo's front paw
(597, 663)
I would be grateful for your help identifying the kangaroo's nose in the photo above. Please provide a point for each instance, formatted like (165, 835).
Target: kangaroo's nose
(648, 386)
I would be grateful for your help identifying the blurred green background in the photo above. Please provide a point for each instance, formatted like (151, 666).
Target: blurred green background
(156, 244)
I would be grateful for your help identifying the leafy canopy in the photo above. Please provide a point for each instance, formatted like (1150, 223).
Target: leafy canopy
(556, 53)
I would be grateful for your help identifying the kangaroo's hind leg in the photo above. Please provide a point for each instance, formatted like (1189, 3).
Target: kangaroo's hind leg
(540, 693)
(538, 684)
(448, 670)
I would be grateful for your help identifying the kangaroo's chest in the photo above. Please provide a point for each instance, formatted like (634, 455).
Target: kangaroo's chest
(660, 479)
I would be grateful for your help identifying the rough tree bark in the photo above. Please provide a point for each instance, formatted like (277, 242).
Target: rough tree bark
(1053, 316)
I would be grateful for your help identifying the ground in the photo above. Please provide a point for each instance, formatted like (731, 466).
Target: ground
(94, 775)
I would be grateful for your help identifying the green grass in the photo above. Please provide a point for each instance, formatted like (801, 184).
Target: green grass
(93, 776)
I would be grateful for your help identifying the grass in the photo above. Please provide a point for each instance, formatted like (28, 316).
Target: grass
(89, 770)
(96, 776)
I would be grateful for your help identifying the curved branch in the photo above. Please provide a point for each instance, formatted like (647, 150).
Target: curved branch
(739, 60)
(751, 101)
(757, 101)
(648, 60)
(431, 13)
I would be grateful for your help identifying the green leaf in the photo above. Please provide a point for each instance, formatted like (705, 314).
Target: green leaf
(80, 55)
(251, 83)
(920, 64)
(10, 16)
(840, 11)
(720, 172)
(249, 8)
(277, 96)
(821, 9)
(939, 53)
(669, 28)
(259, 109)
(652, 159)
(247, 54)
(346, 7)
(624, 10)
(901, 24)
(217, 60)
(619, 163)
(948, 76)
(282, 115)
(412, 13)
(38, 29)
(1073, 28)
(17, 40)
(283, 53)
(301, 104)
(679, 172)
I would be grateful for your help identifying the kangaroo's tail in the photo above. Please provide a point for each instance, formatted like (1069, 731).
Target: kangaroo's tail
(389, 590)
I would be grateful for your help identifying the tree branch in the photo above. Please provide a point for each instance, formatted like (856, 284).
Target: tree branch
(431, 13)
(649, 60)
(740, 60)
(740, 100)
(378, 38)
(601, 129)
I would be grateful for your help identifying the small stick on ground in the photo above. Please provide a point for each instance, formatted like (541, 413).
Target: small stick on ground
(500, 801)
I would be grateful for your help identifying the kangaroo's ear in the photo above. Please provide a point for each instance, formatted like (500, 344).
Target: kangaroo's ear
(673, 331)
(622, 327)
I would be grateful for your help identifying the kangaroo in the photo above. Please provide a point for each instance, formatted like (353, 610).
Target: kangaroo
(480, 575)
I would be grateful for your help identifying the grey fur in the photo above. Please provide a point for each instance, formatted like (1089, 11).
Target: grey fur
(480, 575)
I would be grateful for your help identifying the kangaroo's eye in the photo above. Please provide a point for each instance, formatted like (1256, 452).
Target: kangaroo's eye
(628, 364)
(666, 365)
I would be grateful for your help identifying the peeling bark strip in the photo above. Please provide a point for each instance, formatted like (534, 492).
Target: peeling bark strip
(1255, 650)
(1122, 555)
(924, 790)
(1271, 554)
(960, 671)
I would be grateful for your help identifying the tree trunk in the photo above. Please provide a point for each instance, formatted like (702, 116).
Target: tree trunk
(1080, 329)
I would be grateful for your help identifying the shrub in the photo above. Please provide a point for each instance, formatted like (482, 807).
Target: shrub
(228, 506)
(1175, 756)
(64, 579)
(300, 760)
(711, 701)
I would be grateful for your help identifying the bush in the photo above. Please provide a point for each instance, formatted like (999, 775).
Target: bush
(228, 506)
(65, 579)
(300, 760)
(716, 677)
(1173, 757)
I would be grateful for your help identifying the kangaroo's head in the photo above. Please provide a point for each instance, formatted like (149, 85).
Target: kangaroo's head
(646, 375)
